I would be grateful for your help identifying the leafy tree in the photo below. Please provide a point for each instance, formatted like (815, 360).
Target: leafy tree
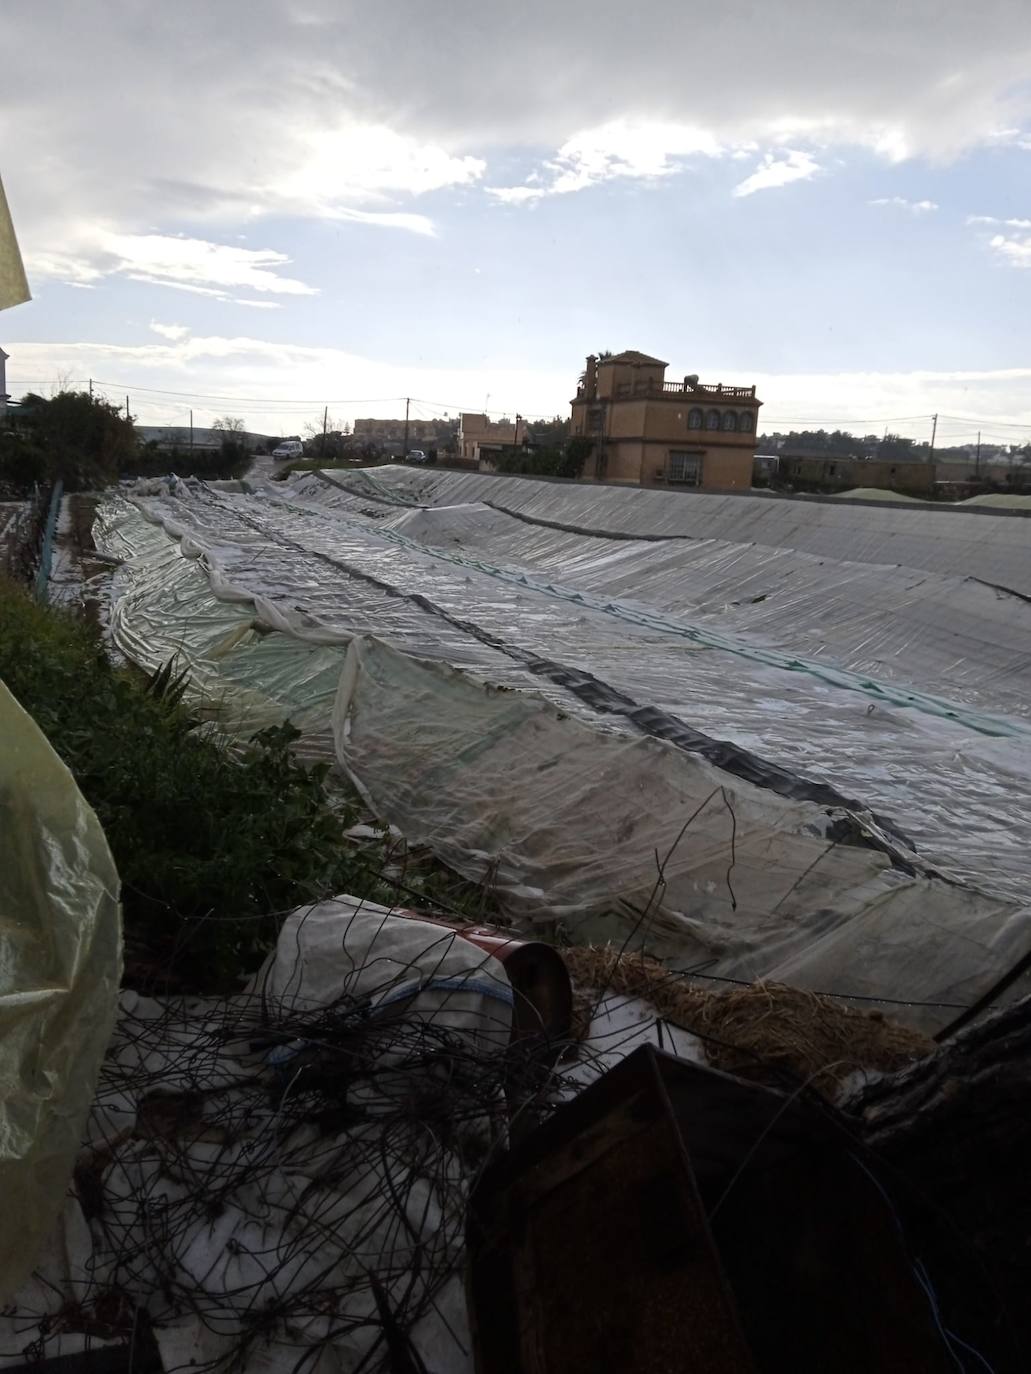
(229, 424)
(79, 438)
(234, 436)
(331, 440)
(895, 446)
(552, 433)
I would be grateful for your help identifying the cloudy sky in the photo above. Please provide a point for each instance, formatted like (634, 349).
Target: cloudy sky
(263, 207)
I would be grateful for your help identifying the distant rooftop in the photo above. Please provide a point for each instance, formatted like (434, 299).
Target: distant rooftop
(632, 356)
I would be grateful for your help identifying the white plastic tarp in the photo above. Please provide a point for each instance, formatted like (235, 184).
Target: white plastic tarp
(633, 839)
(319, 566)
(940, 540)
(951, 767)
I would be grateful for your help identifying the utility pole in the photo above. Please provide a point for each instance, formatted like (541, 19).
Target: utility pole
(977, 460)
(91, 388)
(934, 432)
(191, 431)
(325, 422)
(127, 415)
(408, 401)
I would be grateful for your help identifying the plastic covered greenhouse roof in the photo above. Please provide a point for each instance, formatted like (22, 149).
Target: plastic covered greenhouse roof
(765, 738)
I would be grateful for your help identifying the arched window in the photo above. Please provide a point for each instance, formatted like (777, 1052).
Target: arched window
(712, 419)
(694, 418)
(729, 420)
(746, 422)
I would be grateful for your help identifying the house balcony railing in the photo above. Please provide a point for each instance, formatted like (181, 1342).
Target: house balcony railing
(702, 390)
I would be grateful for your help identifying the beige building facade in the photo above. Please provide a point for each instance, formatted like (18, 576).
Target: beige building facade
(421, 433)
(479, 436)
(655, 433)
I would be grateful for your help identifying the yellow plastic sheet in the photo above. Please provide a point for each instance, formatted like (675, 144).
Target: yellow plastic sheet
(14, 289)
(60, 965)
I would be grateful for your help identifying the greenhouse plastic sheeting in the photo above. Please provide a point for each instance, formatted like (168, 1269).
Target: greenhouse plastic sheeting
(892, 623)
(564, 822)
(242, 673)
(942, 759)
(60, 964)
(628, 639)
(941, 539)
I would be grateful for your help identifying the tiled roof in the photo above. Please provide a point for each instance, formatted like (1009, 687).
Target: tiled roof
(632, 356)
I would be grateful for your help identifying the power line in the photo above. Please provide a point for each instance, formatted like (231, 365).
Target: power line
(996, 424)
(523, 414)
(240, 400)
(289, 405)
(844, 420)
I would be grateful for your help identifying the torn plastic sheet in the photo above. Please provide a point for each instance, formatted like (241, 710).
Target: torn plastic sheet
(247, 670)
(60, 964)
(263, 1176)
(307, 553)
(630, 839)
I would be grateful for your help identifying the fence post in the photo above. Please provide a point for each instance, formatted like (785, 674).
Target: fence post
(46, 552)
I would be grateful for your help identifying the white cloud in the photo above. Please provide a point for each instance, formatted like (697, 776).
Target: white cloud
(176, 260)
(774, 171)
(334, 109)
(516, 195)
(915, 207)
(625, 149)
(353, 104)
(360, 161)
(170, 331)
(1012, 138)
(258, 305)
(390, 219)
(1017, 252)
(1013, 249)
(65, 267)
(991, 219)
(177, 285)
(188, 264)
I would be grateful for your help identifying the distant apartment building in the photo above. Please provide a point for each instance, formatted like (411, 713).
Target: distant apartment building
(425, 434)
(831, 473)
(479, 438)
(656, 433)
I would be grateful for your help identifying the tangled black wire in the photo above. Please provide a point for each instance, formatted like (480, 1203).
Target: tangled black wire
(264, 1178)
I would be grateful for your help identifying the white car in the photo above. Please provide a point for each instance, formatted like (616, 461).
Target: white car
(290, 448)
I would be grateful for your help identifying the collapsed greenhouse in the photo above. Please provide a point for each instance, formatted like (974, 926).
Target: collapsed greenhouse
(773, 746)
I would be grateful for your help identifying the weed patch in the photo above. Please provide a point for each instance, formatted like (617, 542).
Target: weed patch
(211, 845)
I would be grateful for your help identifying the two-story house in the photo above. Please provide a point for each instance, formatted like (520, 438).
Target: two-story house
(656, 433)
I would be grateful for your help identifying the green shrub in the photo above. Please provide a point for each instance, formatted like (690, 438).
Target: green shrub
(210, 846)
(547, 462)
(73, 436)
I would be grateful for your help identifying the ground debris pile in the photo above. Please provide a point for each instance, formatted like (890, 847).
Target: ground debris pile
(282, 1175)
(757, 1031)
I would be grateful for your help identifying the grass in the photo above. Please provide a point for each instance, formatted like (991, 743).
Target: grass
(210, 845)
(316, 464)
